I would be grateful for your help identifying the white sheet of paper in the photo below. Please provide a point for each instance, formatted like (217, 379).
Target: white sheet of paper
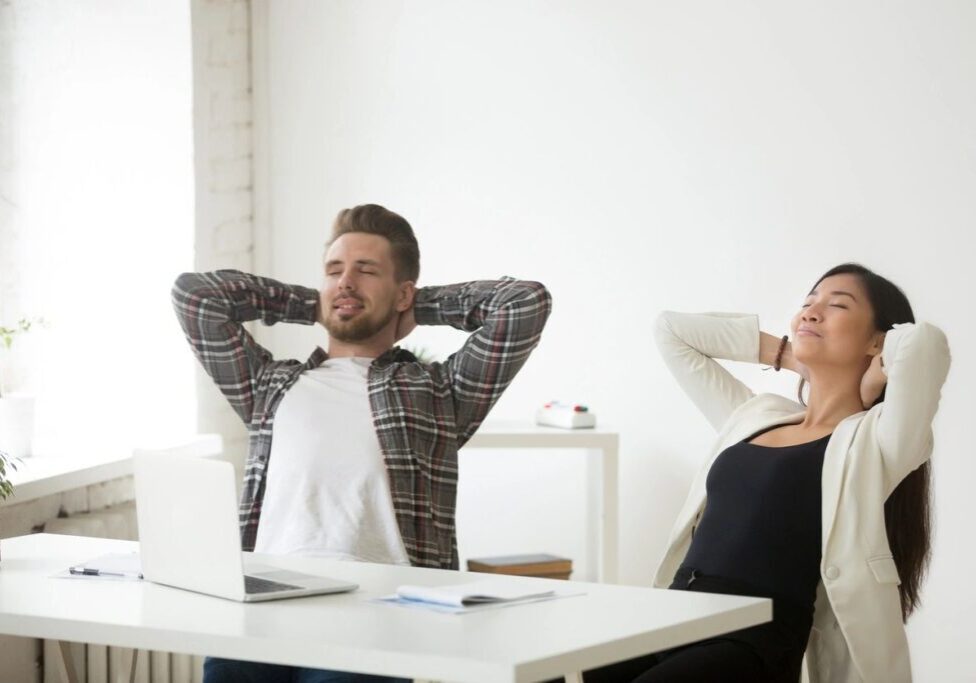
(474, 592)
(474, 596)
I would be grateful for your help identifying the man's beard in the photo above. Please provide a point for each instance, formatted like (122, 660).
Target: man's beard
(358, 329)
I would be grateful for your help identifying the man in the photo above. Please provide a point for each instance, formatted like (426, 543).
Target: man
(364, 438)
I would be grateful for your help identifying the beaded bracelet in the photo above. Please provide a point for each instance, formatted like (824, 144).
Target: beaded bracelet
(779, 354)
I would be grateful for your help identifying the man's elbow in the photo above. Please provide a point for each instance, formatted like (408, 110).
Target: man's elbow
(188, 287)
(186, 282)
(540, 298)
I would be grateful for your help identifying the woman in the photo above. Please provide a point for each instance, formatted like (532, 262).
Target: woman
(821, 506)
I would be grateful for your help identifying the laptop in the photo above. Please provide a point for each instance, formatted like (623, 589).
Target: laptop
(189, 536)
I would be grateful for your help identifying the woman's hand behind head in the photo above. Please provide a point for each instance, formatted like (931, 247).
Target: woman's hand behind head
(873, 382)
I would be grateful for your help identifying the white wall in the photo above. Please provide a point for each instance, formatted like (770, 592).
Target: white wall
(640, 156)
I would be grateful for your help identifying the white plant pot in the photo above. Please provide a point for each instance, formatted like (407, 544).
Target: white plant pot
(16, 424)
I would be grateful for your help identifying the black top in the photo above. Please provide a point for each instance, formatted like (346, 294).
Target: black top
(761, 523)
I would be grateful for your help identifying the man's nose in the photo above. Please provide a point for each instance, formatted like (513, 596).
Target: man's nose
(347, 281)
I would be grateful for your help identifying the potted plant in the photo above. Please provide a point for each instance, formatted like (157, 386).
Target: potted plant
(6, 487)
(16, 410)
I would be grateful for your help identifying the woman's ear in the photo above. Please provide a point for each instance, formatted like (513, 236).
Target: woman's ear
(877, 344)
(405, 295)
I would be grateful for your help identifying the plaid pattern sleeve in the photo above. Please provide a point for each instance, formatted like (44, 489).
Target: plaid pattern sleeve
(212, 309)
(506, 318)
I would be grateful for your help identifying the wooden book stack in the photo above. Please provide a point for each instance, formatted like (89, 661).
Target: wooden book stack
(539, 565)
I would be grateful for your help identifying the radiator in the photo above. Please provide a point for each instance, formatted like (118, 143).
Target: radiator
(99, 663)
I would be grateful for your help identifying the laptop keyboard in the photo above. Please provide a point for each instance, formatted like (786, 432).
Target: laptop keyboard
(253, 585)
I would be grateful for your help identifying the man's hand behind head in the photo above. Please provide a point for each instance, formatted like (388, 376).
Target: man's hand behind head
(320, 309)
(405, 324)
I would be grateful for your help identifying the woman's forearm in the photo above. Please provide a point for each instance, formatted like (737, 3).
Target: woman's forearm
(769, 349)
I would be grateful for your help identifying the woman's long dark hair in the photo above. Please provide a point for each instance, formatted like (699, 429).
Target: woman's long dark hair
(908, 515)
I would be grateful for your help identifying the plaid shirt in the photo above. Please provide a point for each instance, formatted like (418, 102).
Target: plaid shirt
(422, 413)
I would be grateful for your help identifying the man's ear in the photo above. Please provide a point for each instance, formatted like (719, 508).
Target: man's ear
(405, 295)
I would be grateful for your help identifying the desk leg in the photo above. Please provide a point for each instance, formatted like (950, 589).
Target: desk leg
(66, 663)
(126, 673)
(576, 677)
(609, 508)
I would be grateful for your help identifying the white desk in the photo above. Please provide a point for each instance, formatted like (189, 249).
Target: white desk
(516, 434)
(529, 642)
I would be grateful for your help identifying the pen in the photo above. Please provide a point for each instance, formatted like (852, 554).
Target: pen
(86, 571)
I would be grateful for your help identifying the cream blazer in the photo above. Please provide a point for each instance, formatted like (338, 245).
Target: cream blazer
(857, 630)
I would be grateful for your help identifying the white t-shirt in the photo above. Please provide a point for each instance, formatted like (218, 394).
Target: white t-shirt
(328, 492)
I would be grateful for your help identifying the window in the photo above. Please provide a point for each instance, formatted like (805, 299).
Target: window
(96, 213)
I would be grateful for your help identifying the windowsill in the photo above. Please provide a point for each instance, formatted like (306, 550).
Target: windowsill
(51, 471)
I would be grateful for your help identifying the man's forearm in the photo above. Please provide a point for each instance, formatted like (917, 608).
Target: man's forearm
(212, 309)
(468, 306)
(234, 296)
(505, 318)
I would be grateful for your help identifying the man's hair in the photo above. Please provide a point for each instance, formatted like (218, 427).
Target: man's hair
(376, 220)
